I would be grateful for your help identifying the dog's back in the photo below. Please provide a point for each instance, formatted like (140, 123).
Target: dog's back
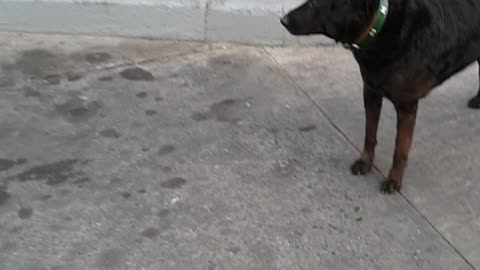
(451, 40)
(438, 37)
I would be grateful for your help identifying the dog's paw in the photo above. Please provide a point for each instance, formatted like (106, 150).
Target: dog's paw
(390, 186)
(361, 167)
(474, 103)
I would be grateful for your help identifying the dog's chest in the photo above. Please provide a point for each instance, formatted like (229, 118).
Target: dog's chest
(397, 84)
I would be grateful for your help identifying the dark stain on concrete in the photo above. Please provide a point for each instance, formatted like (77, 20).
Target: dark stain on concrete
(159, 99)
(137, 74)
(150, 112)
(73, 77)
(141, 94)
(110, 133)
(7, 247)
(308, 128)
(163, 213)
(166, 149)
(6, 164)
(110, 259)
(82, 180)
(223, 60)
(21, 161)
(53, 173)
(53, 79)
(106, 78)
(97, 57)
(228, 110)
(212, 265)
(273, 130)
(4, 196)
(30, 92)
(333, 227)
(198, 116)
(174, 183)
(36, 63)
(25, 213)
(126, 195)
(223, 110)
(78, 109)
(142, 191)
(150, 233)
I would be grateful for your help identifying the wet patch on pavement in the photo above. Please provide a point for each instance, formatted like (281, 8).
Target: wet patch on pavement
(97, 57)
(308, 128)
(110, 133)
(25, 213)
(4, 196)
(228, 110)
(166, 149)
(7, 164)
(150, 112)
(106, 78)
(174, 183)
(150, 233)
(77, 108)
(137, 74)
(54, 173)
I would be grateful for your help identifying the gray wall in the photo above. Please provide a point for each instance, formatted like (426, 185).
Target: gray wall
(244, 21)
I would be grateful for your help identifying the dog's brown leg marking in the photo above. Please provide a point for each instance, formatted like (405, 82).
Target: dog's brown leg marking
(373, 107)
(406, 117)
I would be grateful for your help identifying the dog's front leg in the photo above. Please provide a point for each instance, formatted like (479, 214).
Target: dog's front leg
(406, 117)
(373, 106)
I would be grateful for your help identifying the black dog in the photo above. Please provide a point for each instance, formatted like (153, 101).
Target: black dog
(404, 48)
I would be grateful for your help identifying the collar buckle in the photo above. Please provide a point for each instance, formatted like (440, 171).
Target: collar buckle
(353, 46)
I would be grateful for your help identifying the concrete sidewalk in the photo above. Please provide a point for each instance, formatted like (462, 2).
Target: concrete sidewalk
(243, 21)
(135, 154)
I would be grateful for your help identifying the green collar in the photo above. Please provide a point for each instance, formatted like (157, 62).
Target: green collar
(374, 28)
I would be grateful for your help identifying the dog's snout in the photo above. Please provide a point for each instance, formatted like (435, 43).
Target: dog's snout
(285, 21)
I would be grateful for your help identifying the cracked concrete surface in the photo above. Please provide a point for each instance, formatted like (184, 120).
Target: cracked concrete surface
(134, 154)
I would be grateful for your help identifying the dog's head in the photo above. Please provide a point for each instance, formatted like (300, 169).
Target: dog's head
(341, 20)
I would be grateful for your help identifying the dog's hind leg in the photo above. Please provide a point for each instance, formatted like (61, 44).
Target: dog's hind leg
(474, 103)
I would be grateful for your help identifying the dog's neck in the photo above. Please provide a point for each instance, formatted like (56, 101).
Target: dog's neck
(377, 12)
(387, 45)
